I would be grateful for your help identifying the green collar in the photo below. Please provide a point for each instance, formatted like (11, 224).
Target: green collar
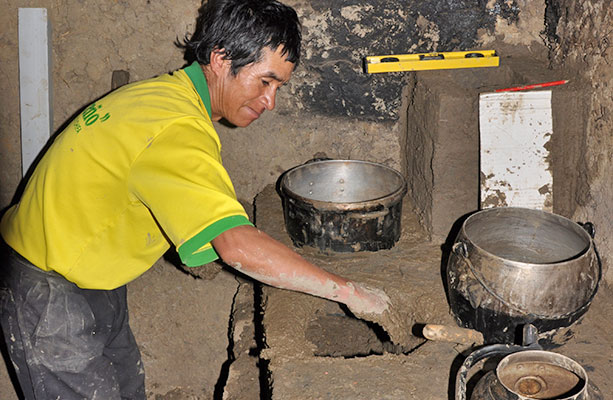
(195, 73)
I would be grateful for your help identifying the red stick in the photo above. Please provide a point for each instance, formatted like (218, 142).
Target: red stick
(534, 86)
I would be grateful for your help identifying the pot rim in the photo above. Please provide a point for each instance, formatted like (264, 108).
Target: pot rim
(550, 357)
(392, 197)
(589, 249)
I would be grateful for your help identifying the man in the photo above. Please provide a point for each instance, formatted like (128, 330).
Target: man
(137, 171)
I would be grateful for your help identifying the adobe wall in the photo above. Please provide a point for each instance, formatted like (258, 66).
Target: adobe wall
(579, 34)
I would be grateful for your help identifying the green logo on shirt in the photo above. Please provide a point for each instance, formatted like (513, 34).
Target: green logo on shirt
(90, 115)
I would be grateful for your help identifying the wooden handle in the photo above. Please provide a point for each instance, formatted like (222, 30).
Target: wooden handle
(452, 334)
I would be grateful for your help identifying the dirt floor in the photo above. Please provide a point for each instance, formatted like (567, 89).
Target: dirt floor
(317, 350)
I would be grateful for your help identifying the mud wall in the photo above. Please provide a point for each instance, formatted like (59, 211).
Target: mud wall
(579, 34)
(330, 107)
(89, 41)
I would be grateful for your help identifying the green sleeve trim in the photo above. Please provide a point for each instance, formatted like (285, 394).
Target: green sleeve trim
(190, 252)
(196, 75)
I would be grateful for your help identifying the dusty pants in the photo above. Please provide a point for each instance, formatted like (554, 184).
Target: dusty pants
(66, 342)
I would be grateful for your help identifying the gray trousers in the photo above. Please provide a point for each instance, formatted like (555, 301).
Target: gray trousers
(65, 342)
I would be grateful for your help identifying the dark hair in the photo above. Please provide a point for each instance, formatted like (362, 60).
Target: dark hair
(241, 29)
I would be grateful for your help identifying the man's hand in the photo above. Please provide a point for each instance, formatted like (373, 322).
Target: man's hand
(366, 300)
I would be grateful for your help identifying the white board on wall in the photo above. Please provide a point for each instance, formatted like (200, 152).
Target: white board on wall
(515, 129)
(34, 83)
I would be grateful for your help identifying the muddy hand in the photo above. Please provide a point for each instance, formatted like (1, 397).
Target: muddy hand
(366, 300)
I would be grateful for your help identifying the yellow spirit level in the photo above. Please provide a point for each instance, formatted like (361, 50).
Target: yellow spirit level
(425, 61)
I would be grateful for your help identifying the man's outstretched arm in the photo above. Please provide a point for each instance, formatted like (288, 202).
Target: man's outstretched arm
(254, 253)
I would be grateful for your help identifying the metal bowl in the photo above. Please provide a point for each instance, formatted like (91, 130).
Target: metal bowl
(343, 205)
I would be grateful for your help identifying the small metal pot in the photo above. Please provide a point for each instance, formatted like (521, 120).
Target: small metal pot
(343, 205)
(536, 374)
(513, 266)
(526, 372)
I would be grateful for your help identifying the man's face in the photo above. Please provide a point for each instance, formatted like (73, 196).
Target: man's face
(246, 95)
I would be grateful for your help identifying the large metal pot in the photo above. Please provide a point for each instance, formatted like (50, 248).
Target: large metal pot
(343, 205)
(513, 266)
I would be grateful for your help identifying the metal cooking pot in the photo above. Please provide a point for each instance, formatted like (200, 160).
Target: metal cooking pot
(513, 266)
(536, 374)
(526, 372)
(343, 205)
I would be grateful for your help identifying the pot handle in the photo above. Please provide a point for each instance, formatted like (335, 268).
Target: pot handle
(316, 159)
(589, 228)
(474, 358)
(460, 249)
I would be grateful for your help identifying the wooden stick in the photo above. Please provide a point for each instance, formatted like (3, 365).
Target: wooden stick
(452, 334)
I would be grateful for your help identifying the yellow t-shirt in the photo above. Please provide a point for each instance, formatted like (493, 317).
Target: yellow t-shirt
(135, 171)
